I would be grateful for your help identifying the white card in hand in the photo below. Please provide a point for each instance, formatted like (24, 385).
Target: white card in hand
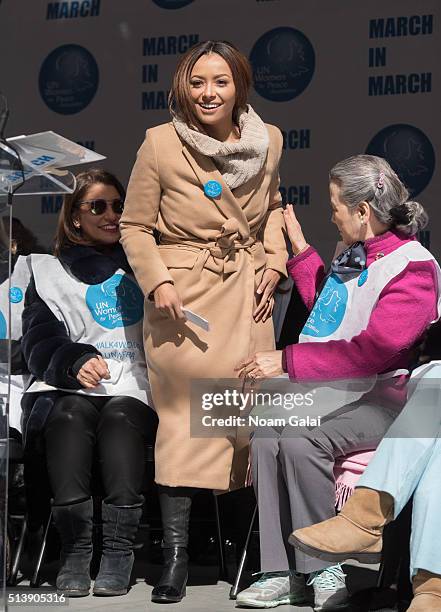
(196, 319)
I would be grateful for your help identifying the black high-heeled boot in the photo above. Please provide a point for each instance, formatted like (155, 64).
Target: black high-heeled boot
(175, 510)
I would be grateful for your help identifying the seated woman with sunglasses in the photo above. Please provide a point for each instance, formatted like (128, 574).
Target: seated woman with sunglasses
(82, 340)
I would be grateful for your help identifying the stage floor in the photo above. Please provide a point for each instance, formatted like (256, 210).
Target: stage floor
(204, 593)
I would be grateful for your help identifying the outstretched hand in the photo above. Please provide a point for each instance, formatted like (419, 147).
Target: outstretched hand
(294, 229)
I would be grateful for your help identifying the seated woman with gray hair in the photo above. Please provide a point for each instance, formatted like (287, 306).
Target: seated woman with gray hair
(366, 316)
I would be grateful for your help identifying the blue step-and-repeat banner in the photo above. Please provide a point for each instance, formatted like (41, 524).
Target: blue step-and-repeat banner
(337, 77)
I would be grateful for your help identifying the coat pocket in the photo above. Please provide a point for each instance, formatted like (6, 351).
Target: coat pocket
(178, 256)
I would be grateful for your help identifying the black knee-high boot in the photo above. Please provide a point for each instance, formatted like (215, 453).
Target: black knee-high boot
(74, 524)
(175, 509)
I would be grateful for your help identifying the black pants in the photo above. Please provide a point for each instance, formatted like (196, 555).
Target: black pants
(116, 429)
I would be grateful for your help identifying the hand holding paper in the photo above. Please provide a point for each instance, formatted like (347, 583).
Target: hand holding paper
(196, 319)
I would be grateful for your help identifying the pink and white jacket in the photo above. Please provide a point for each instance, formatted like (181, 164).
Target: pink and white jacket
(405, 308)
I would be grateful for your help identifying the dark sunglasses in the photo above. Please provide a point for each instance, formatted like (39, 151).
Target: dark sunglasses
(99, 207)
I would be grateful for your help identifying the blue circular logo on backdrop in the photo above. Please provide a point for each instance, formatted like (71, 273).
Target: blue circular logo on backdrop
(329, 310)
(15, 295)
(68, 79)
(118, 302)
(172, 4)
(3, 327)
(283, 63)
(409, 152)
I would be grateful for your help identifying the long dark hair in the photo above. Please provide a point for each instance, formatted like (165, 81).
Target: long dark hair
(67, 234)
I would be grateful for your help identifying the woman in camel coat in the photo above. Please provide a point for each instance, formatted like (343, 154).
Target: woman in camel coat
(208, 183)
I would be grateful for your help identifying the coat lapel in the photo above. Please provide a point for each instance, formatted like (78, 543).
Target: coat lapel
(227, 203)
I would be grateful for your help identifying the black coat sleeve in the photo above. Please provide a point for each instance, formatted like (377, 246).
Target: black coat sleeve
(49, 352)
(18, 365)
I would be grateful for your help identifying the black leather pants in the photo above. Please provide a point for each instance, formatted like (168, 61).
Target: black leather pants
(115, 429)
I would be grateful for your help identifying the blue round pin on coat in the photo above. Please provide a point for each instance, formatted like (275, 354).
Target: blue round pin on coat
(362, 278)
(15, 295)
(212, 189)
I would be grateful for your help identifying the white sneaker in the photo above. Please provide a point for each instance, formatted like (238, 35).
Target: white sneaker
(274, 589)
(330, 592)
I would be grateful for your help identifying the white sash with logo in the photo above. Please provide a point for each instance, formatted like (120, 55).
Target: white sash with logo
(108, 315)
(15, 296)
(344, 307)
(19, 282)
(342, 311)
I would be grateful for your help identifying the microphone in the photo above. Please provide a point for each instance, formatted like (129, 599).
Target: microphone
(4, 115)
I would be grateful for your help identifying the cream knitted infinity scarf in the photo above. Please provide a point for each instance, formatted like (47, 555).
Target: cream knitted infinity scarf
(239, 161)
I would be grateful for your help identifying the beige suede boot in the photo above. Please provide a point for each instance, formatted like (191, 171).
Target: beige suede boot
(356, 533)
(426, 592)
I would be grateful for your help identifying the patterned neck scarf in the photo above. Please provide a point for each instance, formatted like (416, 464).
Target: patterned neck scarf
(351, 261)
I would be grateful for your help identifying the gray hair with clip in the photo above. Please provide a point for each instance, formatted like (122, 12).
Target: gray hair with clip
(368, 178)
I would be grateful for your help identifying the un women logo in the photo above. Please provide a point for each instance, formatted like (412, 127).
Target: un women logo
(283, 63)
(409, 152)
(68, 79)
(118, 302)
(329, 310)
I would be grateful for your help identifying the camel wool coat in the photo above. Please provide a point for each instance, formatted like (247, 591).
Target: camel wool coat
(214, 251)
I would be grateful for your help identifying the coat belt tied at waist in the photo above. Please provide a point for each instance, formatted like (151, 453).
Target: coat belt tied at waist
(224, 247)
